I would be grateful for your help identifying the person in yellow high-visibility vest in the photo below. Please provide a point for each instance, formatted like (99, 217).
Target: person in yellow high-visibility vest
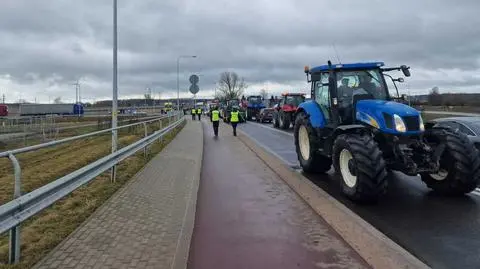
(194, 111)
(234, 119)
(199, 113)
(215, 119)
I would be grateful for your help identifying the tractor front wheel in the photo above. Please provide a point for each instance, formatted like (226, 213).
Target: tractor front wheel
(459, 171)
(360, 163)
(307, 147)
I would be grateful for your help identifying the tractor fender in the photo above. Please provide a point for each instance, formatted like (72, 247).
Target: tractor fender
(313, 112)
(343, 129)
(352, 128)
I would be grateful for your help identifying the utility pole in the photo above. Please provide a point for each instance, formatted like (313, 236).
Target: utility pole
(77, 91)
(115, 87)
(3, 98)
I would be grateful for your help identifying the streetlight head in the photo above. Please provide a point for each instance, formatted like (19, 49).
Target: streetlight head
(194, 56)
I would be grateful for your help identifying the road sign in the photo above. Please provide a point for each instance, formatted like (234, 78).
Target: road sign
(194, 89)
(193, 79)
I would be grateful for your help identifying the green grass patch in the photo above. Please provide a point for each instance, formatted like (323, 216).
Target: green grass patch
(40, 234)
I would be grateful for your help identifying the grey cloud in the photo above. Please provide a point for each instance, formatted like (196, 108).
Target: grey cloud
(259, 40)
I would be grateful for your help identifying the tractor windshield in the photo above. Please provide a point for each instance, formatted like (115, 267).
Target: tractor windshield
(369, 82)
(254, 99)
(294, 100)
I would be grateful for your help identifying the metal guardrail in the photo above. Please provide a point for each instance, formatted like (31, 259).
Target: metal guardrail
(22, 207)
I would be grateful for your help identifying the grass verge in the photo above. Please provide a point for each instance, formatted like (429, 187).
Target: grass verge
(42, 233)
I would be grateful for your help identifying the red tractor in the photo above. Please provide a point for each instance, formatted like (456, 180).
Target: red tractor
(284, 111)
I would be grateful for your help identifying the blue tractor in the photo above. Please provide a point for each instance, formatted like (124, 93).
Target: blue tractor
(254, 105)
(353, 123)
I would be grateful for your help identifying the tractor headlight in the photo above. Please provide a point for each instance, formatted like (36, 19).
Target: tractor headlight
(422, 126)
(399, 124)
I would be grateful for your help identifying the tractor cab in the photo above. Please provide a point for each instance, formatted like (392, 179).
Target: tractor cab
(338, 88)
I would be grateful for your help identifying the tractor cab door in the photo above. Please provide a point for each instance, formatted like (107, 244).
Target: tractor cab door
(321, 93)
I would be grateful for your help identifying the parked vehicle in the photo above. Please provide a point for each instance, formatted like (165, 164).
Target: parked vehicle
(3, 110)
(168, 106)
(284, 112)
(354, 124)
(265, 115)
(470, 126)
(50, 109)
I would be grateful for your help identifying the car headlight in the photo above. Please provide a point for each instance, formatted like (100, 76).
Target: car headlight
(399, 124)
(422, 126)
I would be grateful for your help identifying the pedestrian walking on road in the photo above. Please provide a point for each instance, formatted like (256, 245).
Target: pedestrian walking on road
(193, 113)
(215, 119)
(199, 112)
(234, 118)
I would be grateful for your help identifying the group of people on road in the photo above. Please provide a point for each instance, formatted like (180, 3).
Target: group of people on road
(215, 117)
(233, 119)
(197, 111)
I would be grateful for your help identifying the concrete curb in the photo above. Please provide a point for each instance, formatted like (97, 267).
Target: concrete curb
(180, 260)
(377, 249)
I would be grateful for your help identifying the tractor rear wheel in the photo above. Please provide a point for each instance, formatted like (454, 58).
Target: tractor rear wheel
(276, 124)
(284, 120)
(360, 163)
(459, 166)
(307, 147)
(249, 114)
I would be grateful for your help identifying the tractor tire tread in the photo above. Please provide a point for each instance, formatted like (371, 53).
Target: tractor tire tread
(318, 162)
(466, 162)
(372, 181)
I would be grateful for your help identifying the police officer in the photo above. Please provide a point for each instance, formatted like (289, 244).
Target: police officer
(234, 119)
(193, 113)
(199, 112)
(215, 119)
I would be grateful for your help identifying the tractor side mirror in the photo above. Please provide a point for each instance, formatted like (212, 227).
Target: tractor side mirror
(405, 70)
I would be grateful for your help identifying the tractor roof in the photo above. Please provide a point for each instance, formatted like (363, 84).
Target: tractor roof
(369, 65)
(292, 93)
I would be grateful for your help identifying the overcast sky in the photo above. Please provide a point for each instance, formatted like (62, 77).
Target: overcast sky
(46, 45)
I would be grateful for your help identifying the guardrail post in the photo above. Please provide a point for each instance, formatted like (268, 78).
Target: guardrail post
(14, 243)
(161, 126)
(146, 134)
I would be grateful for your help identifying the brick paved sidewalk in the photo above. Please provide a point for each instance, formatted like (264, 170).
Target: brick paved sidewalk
(146, 224)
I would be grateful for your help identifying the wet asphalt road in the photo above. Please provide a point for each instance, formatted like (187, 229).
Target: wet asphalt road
(442, 232)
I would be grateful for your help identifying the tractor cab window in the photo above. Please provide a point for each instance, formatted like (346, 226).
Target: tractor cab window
(369, 82)
(294, 100)
(322, 95)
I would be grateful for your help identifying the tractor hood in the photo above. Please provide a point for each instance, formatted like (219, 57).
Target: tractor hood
(383, 112)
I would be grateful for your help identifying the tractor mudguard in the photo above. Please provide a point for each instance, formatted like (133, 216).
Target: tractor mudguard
(313, 112)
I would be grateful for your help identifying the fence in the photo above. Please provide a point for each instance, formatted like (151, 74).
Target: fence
(22, 207)
(44, 129)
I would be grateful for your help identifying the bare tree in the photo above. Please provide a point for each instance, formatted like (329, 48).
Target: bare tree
(57, 100)
(264, 94)
(231, 86)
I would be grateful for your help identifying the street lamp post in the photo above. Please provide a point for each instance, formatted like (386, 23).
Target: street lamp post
(115, 86)
(178, 77)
